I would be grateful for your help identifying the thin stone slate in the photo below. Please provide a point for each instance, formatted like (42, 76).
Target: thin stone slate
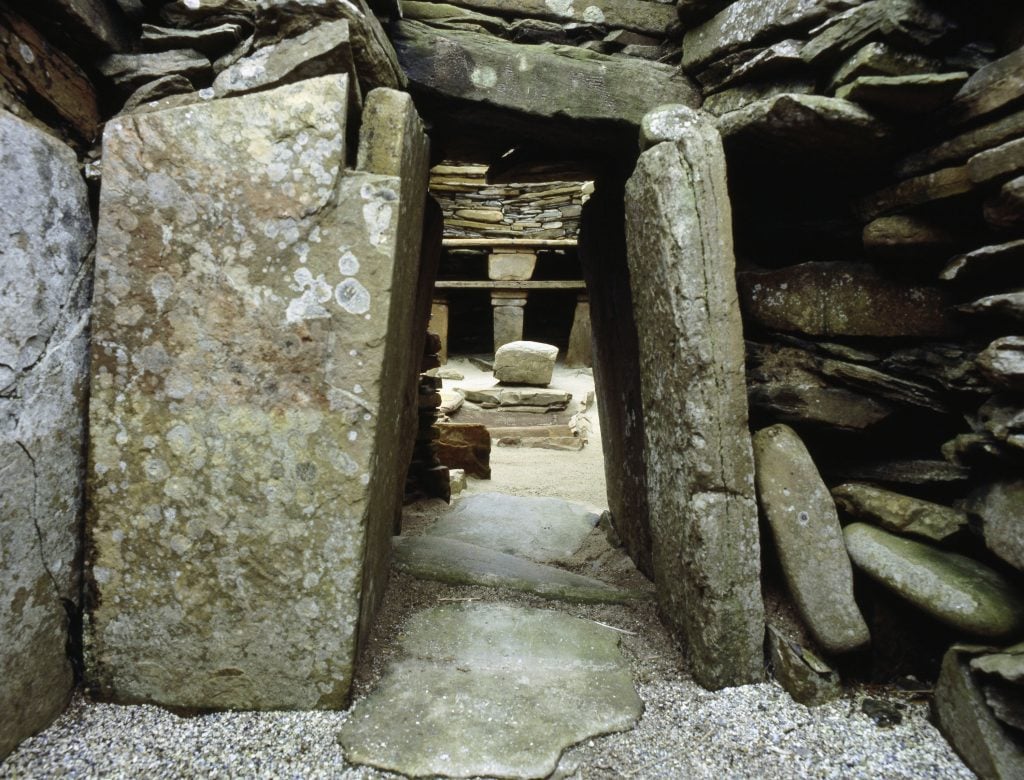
(493, 690)
(459, 563)
(541, 529)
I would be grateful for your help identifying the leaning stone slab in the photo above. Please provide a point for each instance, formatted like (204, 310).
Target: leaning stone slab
(1002, 162)
(130, 71)
(806, 678)
(968, 723)
(952, 588)
(1001, 508)
(249, 356)
(492, 690)
(541, 529)
(914, 94)
(699, 464)
(460, 563)
(898, 513)
(525, 363)
(638, 15)
(843, 299)
(959, 148)
(44, 276)
(509, 396)
(808, 538)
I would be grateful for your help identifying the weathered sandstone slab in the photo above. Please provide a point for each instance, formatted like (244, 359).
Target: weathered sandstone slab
(699, 461)
(808, 538)
(1002, 362)
(249, 351)
(898, 513)
(44, 276)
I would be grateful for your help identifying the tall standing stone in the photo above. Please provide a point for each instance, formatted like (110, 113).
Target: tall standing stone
(253, 313)
(44, 285)
(700, 470)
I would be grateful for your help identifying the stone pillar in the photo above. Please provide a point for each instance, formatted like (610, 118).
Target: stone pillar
(251, 348)
(47, 236)
(700, 470)
(580, 351)
(509, 308)
(439, 324)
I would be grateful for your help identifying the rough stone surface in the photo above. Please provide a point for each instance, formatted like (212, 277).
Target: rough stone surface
(952, 588)
(1002, 362)
(1009, 305)
(808, 538)
(898, 513)
(541, 529)
(461, 563)
(1002, 162)
(806, 678)
(525, 363)
(666, 123)
(699, 462)
(513, 396)
(166, 86)
(465, 446)
(45, 285)
(492, 690)
(130, 71)
(842, 299)
(250, 331)
(638, 15)
(1001, 508)
(914, 94)
(968, 723)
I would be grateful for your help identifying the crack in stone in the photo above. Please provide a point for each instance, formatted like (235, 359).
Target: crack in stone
(35, 518)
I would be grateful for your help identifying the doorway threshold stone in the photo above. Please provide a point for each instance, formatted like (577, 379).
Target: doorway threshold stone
(493, 690)
(459, 563)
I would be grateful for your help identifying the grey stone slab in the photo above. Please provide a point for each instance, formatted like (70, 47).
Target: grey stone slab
(914, 94)
(523, 396)
(492, 690)
(637, 15)
(806, 678)
(541, 529)
(1010, 305)
(244, 446)
(882, 59)
(947, 185)
(992, 88)
(460, 563)
(45, 279)
(211, 41)
(699, 464)
(1001, 508)
(808, 539)
(952, 588)
(898, 513)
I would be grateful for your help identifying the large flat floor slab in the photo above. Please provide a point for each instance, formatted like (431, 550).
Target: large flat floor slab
(493, 690)
(541, 529)
(459, 563)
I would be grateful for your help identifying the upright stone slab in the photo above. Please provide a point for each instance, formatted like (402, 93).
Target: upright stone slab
(44, 285)
(252, 301)
(700, 470)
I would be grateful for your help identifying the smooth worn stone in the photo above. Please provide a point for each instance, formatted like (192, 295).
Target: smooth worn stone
(525, 363)
(699, 464)
(465, 446)
(157, 90)
(561, 443)
(492, 690)
(1002, 162)
(698, 10)
(128, 72)
(898, 513)
(943, 186)
(986, 261)
(908, 237)
(268, 388)
(747, 22)
(375, 59)
(536, 80)
(454, 17)
(914, 94)
(1006, 210)
(1001, 508)
(808, 538)
(541, 529)
(324, 50)
(990, 89)
(460, 563)
(508, 396)
(40, 75)
(504, 266)
(210, 41)
(952, 588)
(913, 23)
(842, 299)
(1010, 305)
(1002, 362)
(882, 59)
(801, 125)
(44, 276)
(959, 148)
(808, 679)
(968, 723)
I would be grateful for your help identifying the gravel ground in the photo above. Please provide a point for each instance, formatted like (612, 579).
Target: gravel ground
(753, 731)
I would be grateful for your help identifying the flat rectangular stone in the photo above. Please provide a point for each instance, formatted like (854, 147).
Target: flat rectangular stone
(957, 149)
(1002, 162)
(250, 342)
(990, 89)
(640, 16)
(919, 191)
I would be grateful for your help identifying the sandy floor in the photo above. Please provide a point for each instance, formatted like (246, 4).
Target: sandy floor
(753, 731)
